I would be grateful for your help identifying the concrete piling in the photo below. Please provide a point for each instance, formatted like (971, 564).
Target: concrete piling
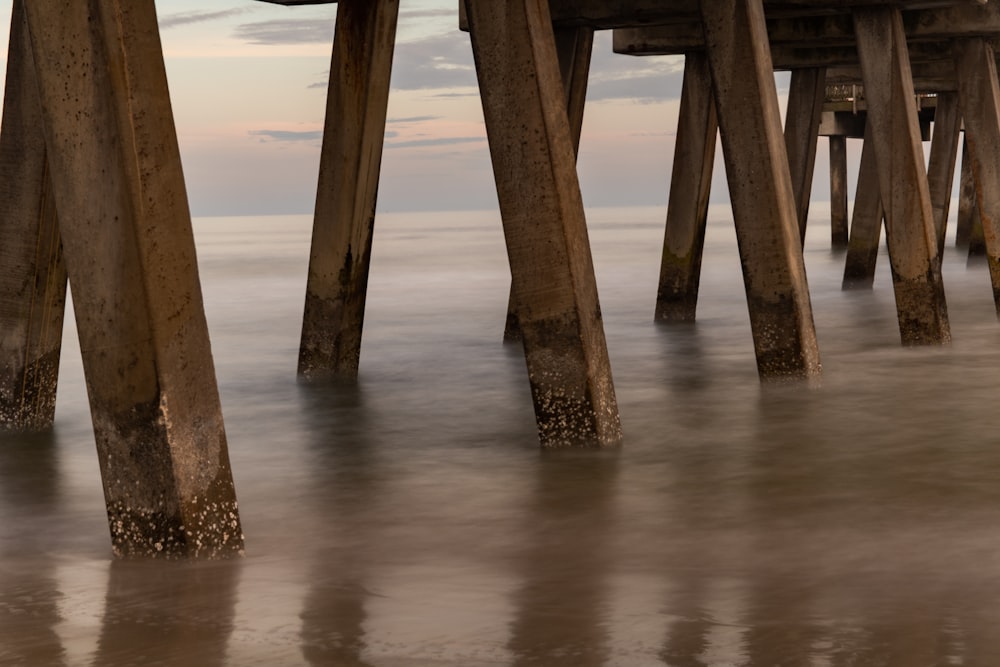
(129, 252)
(690, 187)
(574, 46)
(760, 188)
(910, 233)
(866, 223)
(33, 282)
(806, 95)
(979, 94)
(838, 192)
(350, 161)
(531, 144)
(944, 155)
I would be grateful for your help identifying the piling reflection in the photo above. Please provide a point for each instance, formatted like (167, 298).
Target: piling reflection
(345, 485)
(565, 558)
(168, 613)
(29, 592)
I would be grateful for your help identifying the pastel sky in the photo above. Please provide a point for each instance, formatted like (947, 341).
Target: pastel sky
(248, 86)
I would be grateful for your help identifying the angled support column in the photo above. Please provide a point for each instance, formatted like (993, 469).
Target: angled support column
(546, 233)
(574, 47)
(130, 255)
(866, 225)
(967, 213)
(806, 95)
(944, 154)
(838, 192)
(33, 279)
(690, 187)
(912, 240)
(760, 187)
(348, 185)
(979, 93)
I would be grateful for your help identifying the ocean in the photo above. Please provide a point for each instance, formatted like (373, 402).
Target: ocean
(412, 519)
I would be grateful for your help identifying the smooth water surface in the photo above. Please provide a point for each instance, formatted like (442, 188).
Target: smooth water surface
(412, 519)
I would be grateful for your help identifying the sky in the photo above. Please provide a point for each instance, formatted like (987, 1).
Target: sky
(248, 88)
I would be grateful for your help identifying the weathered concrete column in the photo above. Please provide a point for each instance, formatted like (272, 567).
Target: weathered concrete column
(806, 94)
(979, 92)
(760, 187)
(690, 187)
(866, 225)
(912, 240)
(130, 255)
(546, 233)
(944, 154)
(33, 279)
(574, 46)
(967, 213)
(350, 161)
(838, 192)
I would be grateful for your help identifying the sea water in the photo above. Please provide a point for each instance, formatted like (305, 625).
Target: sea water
(411, 519)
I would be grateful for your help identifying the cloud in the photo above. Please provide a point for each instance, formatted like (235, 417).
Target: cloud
(187, 18)
(287, 31)
(438, 61)
(288, 135)
(442, 141)
(412, 119)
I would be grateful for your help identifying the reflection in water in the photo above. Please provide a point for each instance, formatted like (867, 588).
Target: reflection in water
(168, 613)
(345, 492)
(564, 562)
(411, 522)
(29, 594)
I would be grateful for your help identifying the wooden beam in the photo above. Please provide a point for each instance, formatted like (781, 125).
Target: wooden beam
(663, 31)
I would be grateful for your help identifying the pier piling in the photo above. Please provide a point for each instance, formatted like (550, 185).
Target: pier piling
(531, 144)
(130, 256)
(33, 280)
(760, 188)
(910, 233)
(350, 163)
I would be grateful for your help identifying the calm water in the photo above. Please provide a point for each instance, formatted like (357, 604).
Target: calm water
(412, 520)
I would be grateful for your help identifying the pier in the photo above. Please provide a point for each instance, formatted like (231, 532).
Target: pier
(86, 86)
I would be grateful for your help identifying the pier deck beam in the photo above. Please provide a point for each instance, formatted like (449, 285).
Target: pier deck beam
(760, 187)
(350, 161)
(690, 187)
(912, 240)
(979, 93)
(129, 252)
(866, 225)
(33, 280)
(544, 225)
(574, 47)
